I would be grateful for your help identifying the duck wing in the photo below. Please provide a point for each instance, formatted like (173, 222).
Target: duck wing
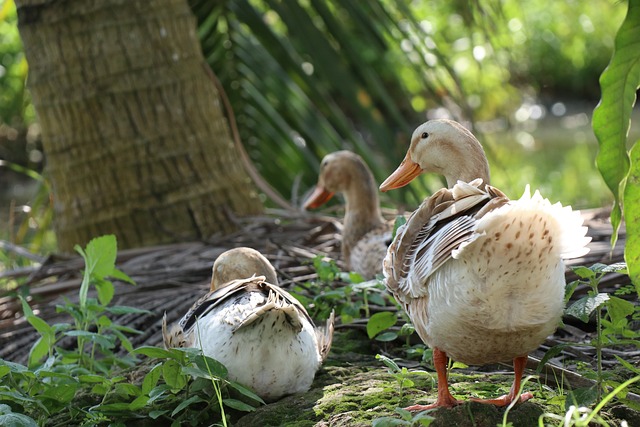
(433, 232)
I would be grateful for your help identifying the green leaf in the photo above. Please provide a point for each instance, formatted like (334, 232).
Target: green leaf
(17, 420)
(120, 275)
(581, 397)
(619, 308)
(386, 336)
(62, 393)
(151, 379)
(207, 364)
(238, 404)
(39, 350)
(156, 352)
(171, 372)
(379, 322)
(99, 259)
(105, 290)
(391, 365)
(389, 422)
(245, 391)
(584, 272)
(632, 217)
(187, 402)
(157, 414)
(612, 117)
(101, 253)
(91, 379)
(138, 403)
(583, 307)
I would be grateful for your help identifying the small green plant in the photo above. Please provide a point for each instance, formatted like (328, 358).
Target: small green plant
(400, 374)
(611, 314)
(348, 293)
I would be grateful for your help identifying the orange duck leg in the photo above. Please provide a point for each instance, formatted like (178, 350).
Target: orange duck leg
(518, 368)
(445, 399)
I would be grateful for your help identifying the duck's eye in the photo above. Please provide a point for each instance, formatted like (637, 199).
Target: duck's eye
(424, 135)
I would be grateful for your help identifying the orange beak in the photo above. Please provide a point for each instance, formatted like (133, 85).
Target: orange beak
(319, 197)
(405, 173)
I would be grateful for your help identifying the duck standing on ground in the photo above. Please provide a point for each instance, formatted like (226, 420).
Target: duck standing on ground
(257, 330)
(366, 235)
(480, 276)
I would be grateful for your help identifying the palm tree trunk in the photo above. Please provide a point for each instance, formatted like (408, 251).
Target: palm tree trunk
(134, 135)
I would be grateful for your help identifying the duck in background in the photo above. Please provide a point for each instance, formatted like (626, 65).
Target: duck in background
(365, 235)
(258, 331)
(480, 276)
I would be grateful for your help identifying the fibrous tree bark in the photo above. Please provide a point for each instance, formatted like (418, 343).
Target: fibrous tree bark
(134, 134)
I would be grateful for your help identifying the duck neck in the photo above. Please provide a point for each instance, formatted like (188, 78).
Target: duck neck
(472, 165)
(362, 211)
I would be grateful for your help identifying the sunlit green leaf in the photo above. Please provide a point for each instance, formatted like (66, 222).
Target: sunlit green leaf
(632, 208)
(619, 308)
(105, 291)
(611, 119)
(583, 307)
(380, 321)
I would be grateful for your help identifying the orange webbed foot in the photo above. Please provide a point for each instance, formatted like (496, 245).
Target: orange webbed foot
(504, 400)
(447, 402)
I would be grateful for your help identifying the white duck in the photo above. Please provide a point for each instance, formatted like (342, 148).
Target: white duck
(480, 276)
(261, 333)
(366, 235)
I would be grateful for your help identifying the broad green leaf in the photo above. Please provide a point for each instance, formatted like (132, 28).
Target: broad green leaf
(39, 350)
(151, 379)
(389, 422)
(209, 364)
(138, 403)
(120, 275)
(62, 393)
(127, 389)
(386, 336)
(619, 308)
(4, 370)
(105, 290)
(17, 420)
(157, 414)
(101, 254)
(632, 215)
(583, 308)
(581, 397)
(245, 391)
(171, 372)
(238, 404)
(584, 272)
(186, 403)
(612, 117)
(156, 352)
(379, 322)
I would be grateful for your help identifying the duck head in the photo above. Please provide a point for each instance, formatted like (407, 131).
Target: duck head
(338, 171)
(444, 147)
(241, 263)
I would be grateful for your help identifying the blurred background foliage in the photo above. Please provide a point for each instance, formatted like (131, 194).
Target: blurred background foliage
(308, 77)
